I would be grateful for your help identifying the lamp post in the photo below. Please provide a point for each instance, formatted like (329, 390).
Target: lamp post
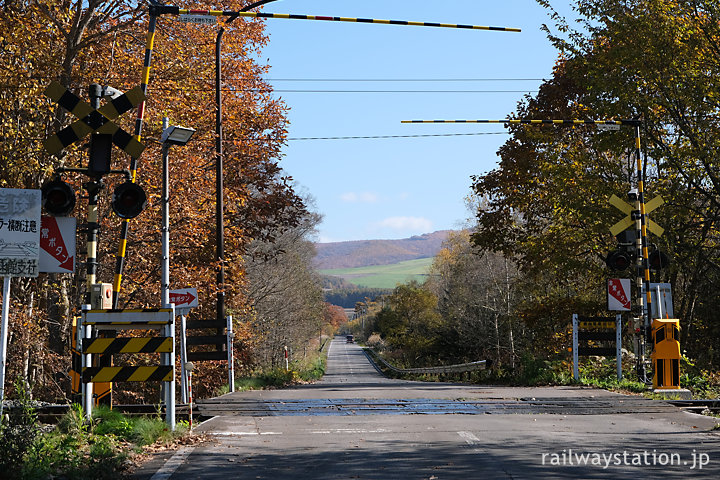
(170, 136)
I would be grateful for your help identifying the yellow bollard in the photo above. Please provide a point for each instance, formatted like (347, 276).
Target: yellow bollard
(666, 353)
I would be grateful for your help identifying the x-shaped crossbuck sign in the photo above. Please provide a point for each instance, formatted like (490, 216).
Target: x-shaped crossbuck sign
(628, 221)
(93, 120)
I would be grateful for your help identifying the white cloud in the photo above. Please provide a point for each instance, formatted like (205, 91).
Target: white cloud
(406, 223)
(327, 239)
(361, 197)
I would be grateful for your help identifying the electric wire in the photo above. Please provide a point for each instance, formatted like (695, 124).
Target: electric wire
(272, 90)
(396, 136)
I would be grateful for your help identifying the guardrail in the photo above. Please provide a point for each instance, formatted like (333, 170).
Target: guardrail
(458, 368)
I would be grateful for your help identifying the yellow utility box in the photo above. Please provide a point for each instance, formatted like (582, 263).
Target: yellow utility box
(666, 353)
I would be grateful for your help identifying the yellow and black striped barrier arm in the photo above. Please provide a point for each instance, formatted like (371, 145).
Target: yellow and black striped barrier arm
(535, 122)
(125, 224)
(170, 10)
(163, 373)
(107, 346)
(643, 284)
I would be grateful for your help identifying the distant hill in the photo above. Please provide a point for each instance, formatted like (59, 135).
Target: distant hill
(363, 253)
(382, 276)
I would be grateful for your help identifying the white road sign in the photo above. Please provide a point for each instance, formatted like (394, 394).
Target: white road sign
(57, 244)
(184, 299)
(19, 232)
(202, 19)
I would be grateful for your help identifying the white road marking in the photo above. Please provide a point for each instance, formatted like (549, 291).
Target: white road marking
(469, 438)
(240, 434)
(348, 430)
(172, 464)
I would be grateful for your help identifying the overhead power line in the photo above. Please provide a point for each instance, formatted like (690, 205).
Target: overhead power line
(404, 79)
(380, 91)
(398, 136)
(283, 90)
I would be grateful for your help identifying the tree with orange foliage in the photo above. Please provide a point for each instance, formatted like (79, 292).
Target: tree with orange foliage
(103, 41)
(335, 315)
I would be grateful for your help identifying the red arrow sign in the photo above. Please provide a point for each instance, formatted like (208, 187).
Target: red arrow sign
(616, 291)
(51, 240)
(180, 298)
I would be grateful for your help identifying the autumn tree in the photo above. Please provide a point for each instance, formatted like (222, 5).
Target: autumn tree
(287, 308)
(334, 316)
(104, 41)
(477, 299)
(660, 59)
(547, 203)
(411, 324)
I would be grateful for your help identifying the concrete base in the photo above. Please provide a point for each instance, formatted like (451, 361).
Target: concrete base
(674, 394)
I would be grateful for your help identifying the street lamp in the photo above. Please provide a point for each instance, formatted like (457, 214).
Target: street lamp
(174, 135)
(171, 135)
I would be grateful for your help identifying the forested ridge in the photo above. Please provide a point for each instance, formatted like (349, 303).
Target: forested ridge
(362, 253)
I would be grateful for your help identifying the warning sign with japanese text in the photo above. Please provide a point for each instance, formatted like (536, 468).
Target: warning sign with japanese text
(57, 245)
(19, 232)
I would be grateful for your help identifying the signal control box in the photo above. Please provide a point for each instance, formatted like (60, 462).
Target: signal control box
(101, 296)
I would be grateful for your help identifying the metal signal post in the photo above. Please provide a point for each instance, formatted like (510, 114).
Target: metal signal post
(98, 122)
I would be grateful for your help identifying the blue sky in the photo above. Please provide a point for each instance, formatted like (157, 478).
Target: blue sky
(381, 188)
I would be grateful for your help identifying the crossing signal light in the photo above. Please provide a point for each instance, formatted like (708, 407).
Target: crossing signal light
(658, 260)
(626, 252)
(128, 200)
(618, 260)
(58, 198)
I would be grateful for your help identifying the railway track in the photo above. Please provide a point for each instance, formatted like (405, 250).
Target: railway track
(698, 406)
(357, 406)
(350, 406)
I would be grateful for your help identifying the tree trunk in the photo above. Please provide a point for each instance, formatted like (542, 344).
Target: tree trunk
(58, 309)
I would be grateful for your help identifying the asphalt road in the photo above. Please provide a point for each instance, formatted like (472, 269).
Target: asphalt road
(357, 424)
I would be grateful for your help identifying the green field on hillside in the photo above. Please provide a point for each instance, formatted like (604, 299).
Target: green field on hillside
(384, 276)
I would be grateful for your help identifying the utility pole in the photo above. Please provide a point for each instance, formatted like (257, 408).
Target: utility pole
(219, 204)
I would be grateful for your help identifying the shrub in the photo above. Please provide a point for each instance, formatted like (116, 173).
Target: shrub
(18, 431)
(74, 421)
(112, 422)
(376, 342)
(149, 430)
(315, 370)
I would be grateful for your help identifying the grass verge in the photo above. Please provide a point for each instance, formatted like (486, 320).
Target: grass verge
(77, 447)
(306, 370)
